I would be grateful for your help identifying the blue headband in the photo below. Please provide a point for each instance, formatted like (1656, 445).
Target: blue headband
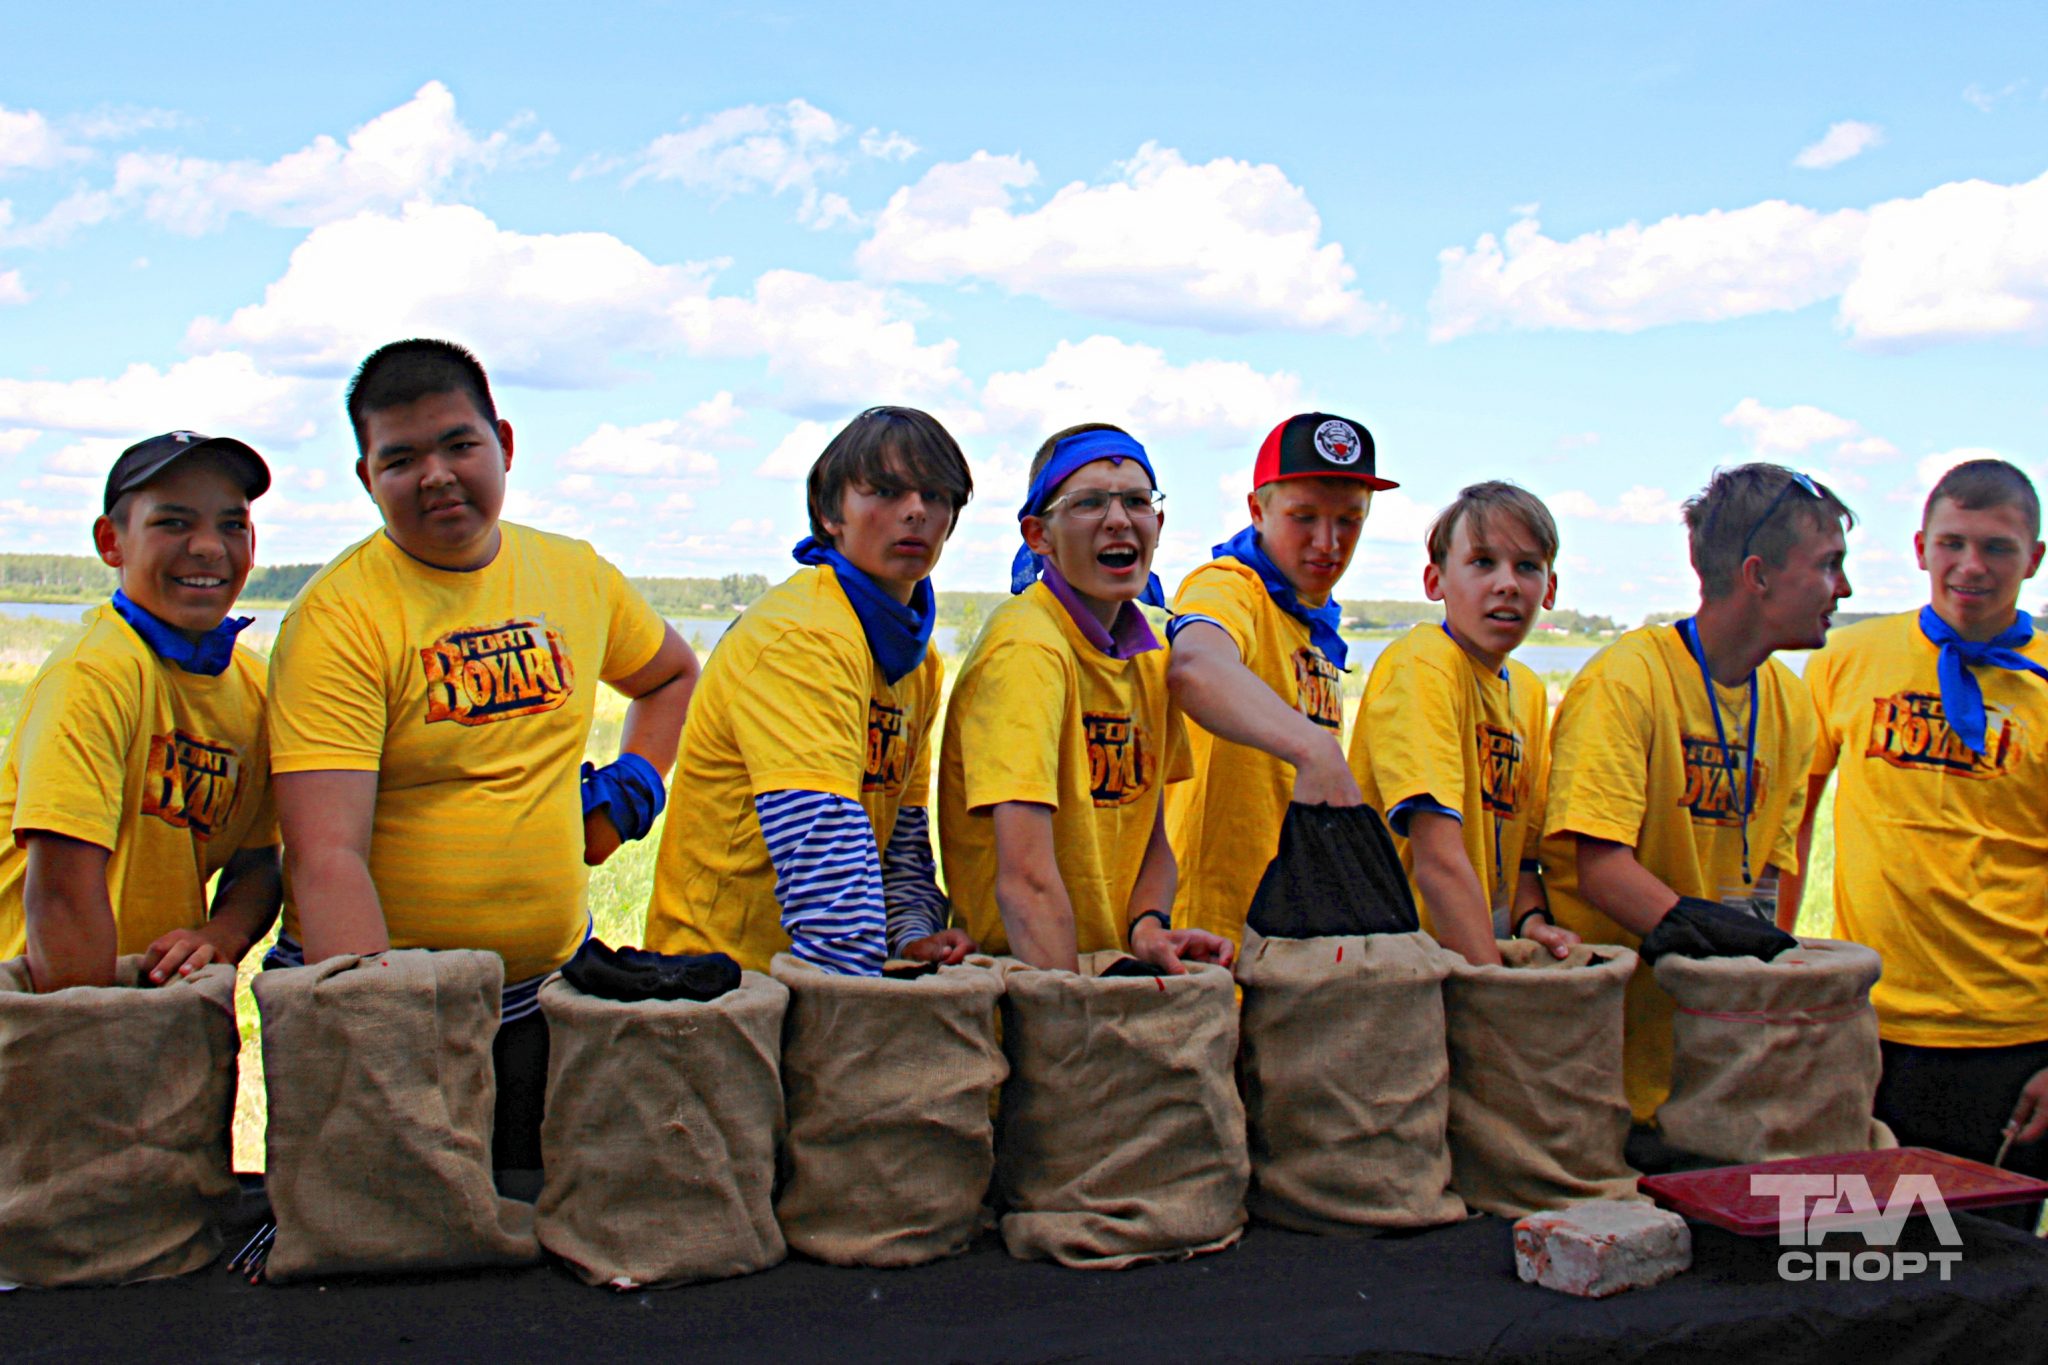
(1069, 455)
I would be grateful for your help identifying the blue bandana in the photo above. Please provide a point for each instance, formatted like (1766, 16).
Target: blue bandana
(208, 655)
(898, 635)
(1068, 456)
(1321, 621)
(1962, 697)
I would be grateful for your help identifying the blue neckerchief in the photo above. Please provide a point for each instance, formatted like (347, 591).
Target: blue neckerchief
(1068, 456)
(209, 655)
(1962, 697)
(1321, 621)
(898, 635)
(1689, 631)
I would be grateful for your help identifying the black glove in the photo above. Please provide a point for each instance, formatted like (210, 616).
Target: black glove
(637, 974)
(1130, 966)
(1336, 872)
(1697, 928)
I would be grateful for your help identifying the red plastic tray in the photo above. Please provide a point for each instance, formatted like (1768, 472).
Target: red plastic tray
(1720, 1195)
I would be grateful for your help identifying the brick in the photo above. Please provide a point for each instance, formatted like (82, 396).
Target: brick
(1602, 1247)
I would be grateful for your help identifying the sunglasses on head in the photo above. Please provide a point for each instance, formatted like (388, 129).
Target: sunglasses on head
(1803, 482)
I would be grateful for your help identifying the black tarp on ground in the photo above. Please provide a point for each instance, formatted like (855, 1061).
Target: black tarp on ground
(1446, 1294)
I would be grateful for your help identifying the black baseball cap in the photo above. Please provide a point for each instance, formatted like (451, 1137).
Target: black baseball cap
(145, 460)
(1317, 445)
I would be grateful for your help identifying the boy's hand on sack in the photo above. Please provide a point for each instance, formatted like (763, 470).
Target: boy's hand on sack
(1326, 780)
(1702, 928)
(1167, 949)
(1558, 940)
(2030, 1116)
(182, 952)
(948, 947)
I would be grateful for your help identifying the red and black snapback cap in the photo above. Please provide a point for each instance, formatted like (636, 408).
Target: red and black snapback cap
(145, 460)
(1316, 445)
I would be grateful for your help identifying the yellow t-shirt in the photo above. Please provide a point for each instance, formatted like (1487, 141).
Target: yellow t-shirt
(1225, 824)
(470, 696)
(168, 770)
(791, 700)
(1435, 723)
(1040, 714)
(1634, 760)
(1940, 853)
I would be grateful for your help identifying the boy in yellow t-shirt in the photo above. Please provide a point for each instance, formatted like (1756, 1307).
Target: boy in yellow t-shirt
(1453, 738)
(138, 769)
(1256, 666)
(1936, 725)
(1679, 752)
(1060, 736)
(807, 754)
(431, 699)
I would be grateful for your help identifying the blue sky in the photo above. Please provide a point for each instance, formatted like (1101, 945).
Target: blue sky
(1600, 249)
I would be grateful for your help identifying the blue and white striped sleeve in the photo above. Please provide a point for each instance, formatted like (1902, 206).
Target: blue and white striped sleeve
(910, 881)
(828, 879)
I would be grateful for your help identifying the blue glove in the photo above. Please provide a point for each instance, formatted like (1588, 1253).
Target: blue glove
(631, 788)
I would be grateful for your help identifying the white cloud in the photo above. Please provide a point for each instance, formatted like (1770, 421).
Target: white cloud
(556, 310)
(1840, 143)
(1398, 518)
(1105, 379)
(1966, 260)
(665, 449)
(1866, 448)
(1984, 100)
(28, 142)
(795, 453)
(221, 394)
(416, 149)
(1775, 432)
(1770, 257)
(1639, 506)
(771, 147)
(12, 290)
(1931, 467)
(14, 440)
(1226, 245)
(94, 455)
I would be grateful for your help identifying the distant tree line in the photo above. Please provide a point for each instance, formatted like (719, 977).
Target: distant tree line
(1383, 614)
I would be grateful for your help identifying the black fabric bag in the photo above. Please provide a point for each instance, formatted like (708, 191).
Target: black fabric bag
(632, 974)
(1336, 874)
(1701, 928)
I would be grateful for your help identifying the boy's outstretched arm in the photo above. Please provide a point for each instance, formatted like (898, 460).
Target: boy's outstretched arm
(1620, 887)
(326, 818)
(1212, 685)
(70, 920)
(244, 905)
(1037, 915)
(1152, 895)
(1457, 902)
(1792, 885)
(660, 701)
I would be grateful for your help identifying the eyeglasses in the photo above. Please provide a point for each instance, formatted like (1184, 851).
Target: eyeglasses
(1803, 482)
(1093, 504)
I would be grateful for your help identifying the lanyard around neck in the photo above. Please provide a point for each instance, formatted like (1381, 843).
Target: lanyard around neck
(1689, 631)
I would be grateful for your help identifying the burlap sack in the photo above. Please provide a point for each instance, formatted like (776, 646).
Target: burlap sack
(114, 1161)
(381, 1091)
(890, 1147)
(659, 1141)
(1121, 1138)
(1347, 1081)
(1539, 1116)
(1773, 1059)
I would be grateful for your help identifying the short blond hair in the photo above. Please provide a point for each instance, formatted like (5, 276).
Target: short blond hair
(1481, 502)
(1265, 491)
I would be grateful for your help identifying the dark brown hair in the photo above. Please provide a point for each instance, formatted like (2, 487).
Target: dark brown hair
(407, 371)
(886, 446)
(1977, 484)
(1753, 509)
